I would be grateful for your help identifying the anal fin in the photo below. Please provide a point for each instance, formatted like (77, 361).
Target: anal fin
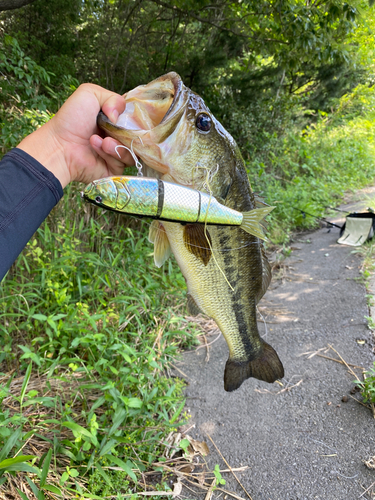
(192, 307)
(267, 366)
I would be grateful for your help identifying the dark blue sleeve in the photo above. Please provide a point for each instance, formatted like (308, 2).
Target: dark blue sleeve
(28, 192)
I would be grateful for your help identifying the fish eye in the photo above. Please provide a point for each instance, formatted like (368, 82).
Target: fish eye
(98, 199)
(203, 122)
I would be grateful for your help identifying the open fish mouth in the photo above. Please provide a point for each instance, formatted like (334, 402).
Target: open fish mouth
(152, 114)
(148, 106)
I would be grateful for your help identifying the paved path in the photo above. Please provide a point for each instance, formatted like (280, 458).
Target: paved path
(303, 442)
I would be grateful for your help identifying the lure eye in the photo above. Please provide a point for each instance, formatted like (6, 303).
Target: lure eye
(203, 122)
(98, 199)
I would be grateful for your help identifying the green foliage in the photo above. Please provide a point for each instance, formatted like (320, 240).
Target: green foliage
(310, 170)
(83, 302)
(26, 99)
(119, 44)
(218, 476)
(368, 386)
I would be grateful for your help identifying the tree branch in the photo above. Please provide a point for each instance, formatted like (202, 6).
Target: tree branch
(13, 4)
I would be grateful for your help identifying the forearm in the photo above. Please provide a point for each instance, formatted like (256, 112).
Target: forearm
(28, 192)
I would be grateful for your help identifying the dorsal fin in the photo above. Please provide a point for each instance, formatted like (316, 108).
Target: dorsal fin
(266, 275)
(196, 242)
(162, 248)
(259, 201)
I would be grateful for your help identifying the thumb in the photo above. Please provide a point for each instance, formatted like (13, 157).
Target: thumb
(110, 103)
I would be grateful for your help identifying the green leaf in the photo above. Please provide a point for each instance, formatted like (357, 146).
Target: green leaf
(25, 382)
(118, 418)
(10, 443)
(106, 447)
(39, 494)
(177, 414)
(73, 473)
(103, 474)
(39, 317)
(127, 467)
(10, 461)
(22, 495)
(78, 429)
(64, 478)
(113, 370)
(52, 489)
(135, 403)
(58, 316)
(184, 443)
(45, 469)
(22, 467)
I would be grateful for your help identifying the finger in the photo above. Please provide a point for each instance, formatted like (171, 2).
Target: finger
(111, 103)
(117, 150)
(112, 148)
(114, 165)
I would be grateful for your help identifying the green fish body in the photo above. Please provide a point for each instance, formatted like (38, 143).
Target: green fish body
(225, 268)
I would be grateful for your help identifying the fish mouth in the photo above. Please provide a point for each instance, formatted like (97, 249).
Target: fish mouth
(178, 90)
(151, 115)
(148, 106)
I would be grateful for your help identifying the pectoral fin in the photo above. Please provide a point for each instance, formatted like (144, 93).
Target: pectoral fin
(162, 248)
(251, 221)
(198, 242)
(266, 276)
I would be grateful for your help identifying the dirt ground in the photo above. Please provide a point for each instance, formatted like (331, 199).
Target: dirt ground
(299, 440)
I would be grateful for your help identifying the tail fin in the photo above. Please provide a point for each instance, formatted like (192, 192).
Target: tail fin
(250, 221)
(267, 367)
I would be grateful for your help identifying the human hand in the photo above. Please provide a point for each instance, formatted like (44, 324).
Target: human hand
(69, 145)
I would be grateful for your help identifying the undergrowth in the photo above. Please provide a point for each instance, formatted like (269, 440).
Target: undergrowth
(88, 327)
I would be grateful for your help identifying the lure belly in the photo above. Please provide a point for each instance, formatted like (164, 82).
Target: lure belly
(166, 201)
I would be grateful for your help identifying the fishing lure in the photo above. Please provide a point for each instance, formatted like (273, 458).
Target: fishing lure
(161, 200)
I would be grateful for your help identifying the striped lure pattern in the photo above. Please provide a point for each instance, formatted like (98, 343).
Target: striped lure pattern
(158, 199)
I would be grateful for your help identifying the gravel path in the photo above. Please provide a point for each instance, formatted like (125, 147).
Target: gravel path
(299, 440)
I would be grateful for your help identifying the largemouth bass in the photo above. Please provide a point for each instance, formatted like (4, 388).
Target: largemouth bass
(166, 201)
(173, 132)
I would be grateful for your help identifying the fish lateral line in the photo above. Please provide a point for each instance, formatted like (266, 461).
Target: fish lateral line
(169, 202)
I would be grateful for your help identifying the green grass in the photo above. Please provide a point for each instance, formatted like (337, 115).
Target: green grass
(88, 327)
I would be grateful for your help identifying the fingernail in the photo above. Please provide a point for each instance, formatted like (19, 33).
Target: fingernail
(114, 116)
(97, 141)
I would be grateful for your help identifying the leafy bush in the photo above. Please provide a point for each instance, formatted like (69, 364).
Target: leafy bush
(26, 99)
(312, 169)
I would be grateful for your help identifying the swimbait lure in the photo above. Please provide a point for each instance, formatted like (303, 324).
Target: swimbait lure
(166, 201)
